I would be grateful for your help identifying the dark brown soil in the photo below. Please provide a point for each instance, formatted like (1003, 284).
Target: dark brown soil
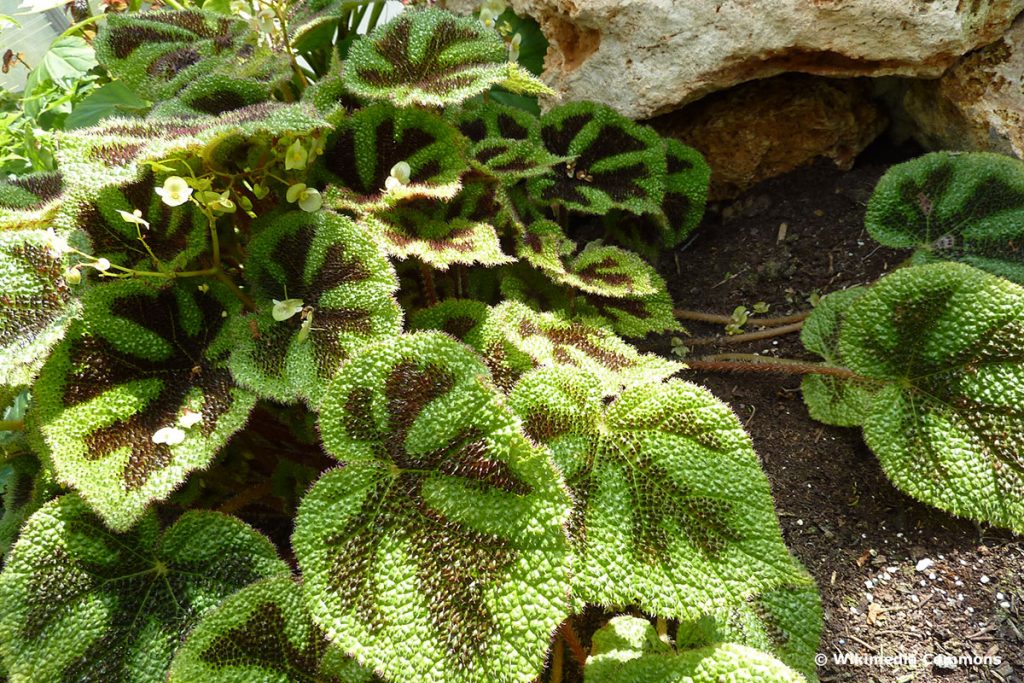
(860, 537)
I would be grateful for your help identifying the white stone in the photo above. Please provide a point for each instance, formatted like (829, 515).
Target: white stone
(924, 564)
(647, 58)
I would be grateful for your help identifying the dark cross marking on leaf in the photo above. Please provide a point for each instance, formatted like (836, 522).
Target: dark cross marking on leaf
(337, 269)
(98, 366)
(44, 186)
(454, 563)
(116, 153)
(922, 195)
(262, 641)
(598, 272)
(608, 306)
(146, 590)
(25, 315)
(167, 235)
(620, 184)
(577, 336)
(340, 156)
(434, 73)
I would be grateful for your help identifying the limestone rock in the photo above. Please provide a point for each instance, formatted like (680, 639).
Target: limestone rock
(768, 127)
(979, 104)
(649, 57)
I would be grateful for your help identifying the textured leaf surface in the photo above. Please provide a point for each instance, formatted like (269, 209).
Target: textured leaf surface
(26, 201)
(346, 287)
(24, 487)
(141, 357)
(436, 553)
(516, 338)
(84, 603)
(461, 318)
(614, 162)
(628, 650)
(687, 179)
(672, 512)
(959, 207)
(946, 341)
(159, 53)
(263, 634)
(428, 57)
(785, 622)
(36, 304)
(834, 401)
(442, 233)
(360, 153)
(175, 236)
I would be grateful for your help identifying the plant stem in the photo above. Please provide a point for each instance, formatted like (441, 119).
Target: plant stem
(12, 425)
(245, 498)
(746, 337)
(246, 300)
(557, 661)
(717, 318)
(577, 649)
(429, 290)
(732, 363)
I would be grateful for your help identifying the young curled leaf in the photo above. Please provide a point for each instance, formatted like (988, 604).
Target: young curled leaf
(364, 148)
(945, 344)
(954, 207)
(516, 338)
(263, 633)
(442, 233)
(430, 57)
(110, 401)
(82, 602)
(37, 303)
(341, 288)
(628, 650)
(442, 521)
(672, 511)
(613, 163)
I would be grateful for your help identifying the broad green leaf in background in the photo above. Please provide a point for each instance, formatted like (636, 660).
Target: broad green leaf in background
(628, 650)
(437, 552)
(954, 207)
(112, 99)
(84, 603)
(68, 59)
(672, 513)
(945, 344)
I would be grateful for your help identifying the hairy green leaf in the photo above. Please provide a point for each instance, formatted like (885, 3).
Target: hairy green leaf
(946, 343)
(263, 634)
(364, 148)
(687, 180)
(431, 57)
(175, 236)
(516, 338)
(628, 650)
(832, 400)
(957, 207)
(785, 621)
(29, 200)
(84, 603)
(36, 303)
(460, 318)
(672, 512)
(344, 287)
(614, 163)
(158, 54)
(133, 374)
(443, 521)
(24, 488)
(442, 233)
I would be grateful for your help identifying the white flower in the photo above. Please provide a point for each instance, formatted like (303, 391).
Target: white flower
(497, 7)
(101, 264)
(190, 419)
(286, 309)
(175, 191)
(170, 436)
(295, 157)
(135, 217)
(310, 200)
(399, 176)
(265, 20)
(487, 16)
(307, 324)
(513, 48)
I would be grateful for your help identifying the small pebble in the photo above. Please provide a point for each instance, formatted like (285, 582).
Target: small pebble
(924, 564)
(985, 579)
